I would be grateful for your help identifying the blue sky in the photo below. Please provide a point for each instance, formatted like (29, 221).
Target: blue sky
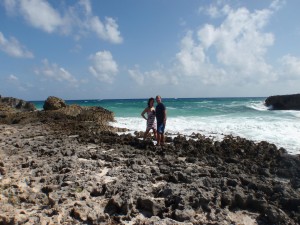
(88, 49)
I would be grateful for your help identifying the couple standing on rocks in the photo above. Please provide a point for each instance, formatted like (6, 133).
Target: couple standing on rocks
(160, 114)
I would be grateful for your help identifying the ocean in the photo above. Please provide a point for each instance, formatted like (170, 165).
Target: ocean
(213, 117)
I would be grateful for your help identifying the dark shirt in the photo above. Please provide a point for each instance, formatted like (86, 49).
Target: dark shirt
(160, 114)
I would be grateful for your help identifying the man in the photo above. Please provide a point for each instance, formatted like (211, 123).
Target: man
(161, 118)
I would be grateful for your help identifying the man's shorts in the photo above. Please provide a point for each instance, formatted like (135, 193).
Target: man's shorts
(160, 128)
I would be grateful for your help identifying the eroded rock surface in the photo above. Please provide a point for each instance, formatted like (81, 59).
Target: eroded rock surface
(55, 171)
(92, 178)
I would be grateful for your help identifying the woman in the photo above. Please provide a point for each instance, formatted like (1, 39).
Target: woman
(151, 124)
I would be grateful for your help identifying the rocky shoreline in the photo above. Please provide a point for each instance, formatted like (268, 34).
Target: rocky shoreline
(66, 166)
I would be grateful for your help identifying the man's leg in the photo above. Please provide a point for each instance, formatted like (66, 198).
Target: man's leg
(162, 140)
(158, 138)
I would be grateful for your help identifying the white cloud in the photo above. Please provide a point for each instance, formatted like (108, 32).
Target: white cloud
(213, 12)
(40, 14)
(78, 19)
(86, 5)
(13, 78)
(157, 77)
(108, 31)
(216, 10)
(192, 61)
(103, 67)
(137, 76)
(277, 4)
(191, 57)
(111, 30)
(234, 51)
(54, 72)
(9, 5)
(13, 48)
(290, 67)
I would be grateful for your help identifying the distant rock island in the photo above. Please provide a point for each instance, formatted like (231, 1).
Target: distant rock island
(283, 102)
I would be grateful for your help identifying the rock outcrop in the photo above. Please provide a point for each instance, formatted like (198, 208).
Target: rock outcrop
(9, 104)
(59, 115)
(11, 107)
(53, 103)
(283, 102)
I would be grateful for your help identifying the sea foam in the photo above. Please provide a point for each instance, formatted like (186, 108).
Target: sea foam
(281, 133)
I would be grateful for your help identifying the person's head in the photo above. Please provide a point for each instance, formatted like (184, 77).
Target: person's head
(158, 99)
(150, 102)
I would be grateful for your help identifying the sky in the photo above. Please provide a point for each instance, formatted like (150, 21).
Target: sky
(118, 49)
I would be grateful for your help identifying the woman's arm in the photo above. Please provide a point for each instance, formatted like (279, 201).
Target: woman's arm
(143, 113)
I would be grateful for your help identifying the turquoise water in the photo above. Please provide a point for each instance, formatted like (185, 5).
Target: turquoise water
(214, 117)
(176, 107)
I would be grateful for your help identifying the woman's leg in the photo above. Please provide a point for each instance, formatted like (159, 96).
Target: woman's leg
(146, 133)
(155, 134)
